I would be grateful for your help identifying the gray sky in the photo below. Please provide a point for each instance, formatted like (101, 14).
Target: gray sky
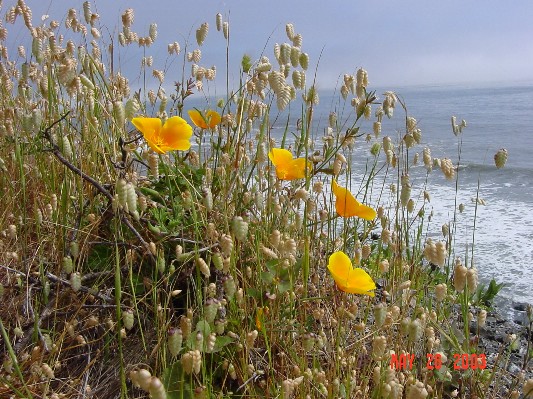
(409, 42)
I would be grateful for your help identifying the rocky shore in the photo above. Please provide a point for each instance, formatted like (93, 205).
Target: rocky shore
(507, 341)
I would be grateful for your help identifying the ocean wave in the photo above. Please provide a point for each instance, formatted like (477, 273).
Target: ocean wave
(485, 168)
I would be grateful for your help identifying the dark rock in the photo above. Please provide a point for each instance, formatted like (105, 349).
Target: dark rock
(521, 307)
(513, 368)
(490, 336)
(505, 362)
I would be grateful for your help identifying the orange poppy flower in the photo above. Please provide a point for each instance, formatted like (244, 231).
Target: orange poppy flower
(347, 206)
(209, 120)
(259, 316)
(288, 168)
(174, 134)
(349, 279)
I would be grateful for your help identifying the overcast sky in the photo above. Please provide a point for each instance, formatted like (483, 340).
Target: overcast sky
(399, 43)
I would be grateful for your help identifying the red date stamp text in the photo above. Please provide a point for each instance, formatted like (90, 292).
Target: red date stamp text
(434, 361)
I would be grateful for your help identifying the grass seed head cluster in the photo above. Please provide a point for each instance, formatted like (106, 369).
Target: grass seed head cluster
(149, 246)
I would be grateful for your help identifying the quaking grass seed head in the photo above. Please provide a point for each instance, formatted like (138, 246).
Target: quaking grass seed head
(75, 281)
(203, 267)
(128, 319)
(459, 276)
(440, 292)
(500, 158)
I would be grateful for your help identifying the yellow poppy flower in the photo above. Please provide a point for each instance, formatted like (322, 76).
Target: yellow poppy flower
(210, 120)
(349, 279)
(347, 206)
(173, 135)
(288, 168)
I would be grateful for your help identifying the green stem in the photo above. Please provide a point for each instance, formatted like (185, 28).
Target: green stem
(13, 357)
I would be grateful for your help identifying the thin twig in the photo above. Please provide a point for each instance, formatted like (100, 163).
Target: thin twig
(17, 272)
(57, 153)
(98, 295)
(56, 279)
(254, 377)
(112, 243)
(86, 379)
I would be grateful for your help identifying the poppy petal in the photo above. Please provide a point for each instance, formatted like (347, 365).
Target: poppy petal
(149, 127)
(175, 132)
(340, 266)
(366, 212)
(298, 167)
(157, 148)
(213, 118)
(197, 118)
(287, 168)
(348, 279)
(182, 145)
(280, 157)
(345, 204)
(357, 290)
(360, 278)
(259, 318)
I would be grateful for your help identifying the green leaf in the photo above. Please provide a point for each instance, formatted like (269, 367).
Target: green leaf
(272, 265)
(255, 293)
(138, 284)
(342, 391)
(154, 194)
(284, 286)
(286, 273)
(99, 257)
(175, 384)
(221, 342)
(442, 374)
(203, 327)
(267, 277)
(484, 296)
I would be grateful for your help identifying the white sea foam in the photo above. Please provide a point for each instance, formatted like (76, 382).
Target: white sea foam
(502, 239)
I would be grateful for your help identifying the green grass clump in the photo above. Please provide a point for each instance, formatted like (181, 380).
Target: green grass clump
(201, 273)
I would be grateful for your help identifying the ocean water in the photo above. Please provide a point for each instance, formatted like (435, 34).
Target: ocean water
(497, 117)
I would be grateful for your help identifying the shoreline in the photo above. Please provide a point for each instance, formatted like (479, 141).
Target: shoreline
(495, 338)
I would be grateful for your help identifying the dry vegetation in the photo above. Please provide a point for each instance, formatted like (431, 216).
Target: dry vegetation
(203, 273)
